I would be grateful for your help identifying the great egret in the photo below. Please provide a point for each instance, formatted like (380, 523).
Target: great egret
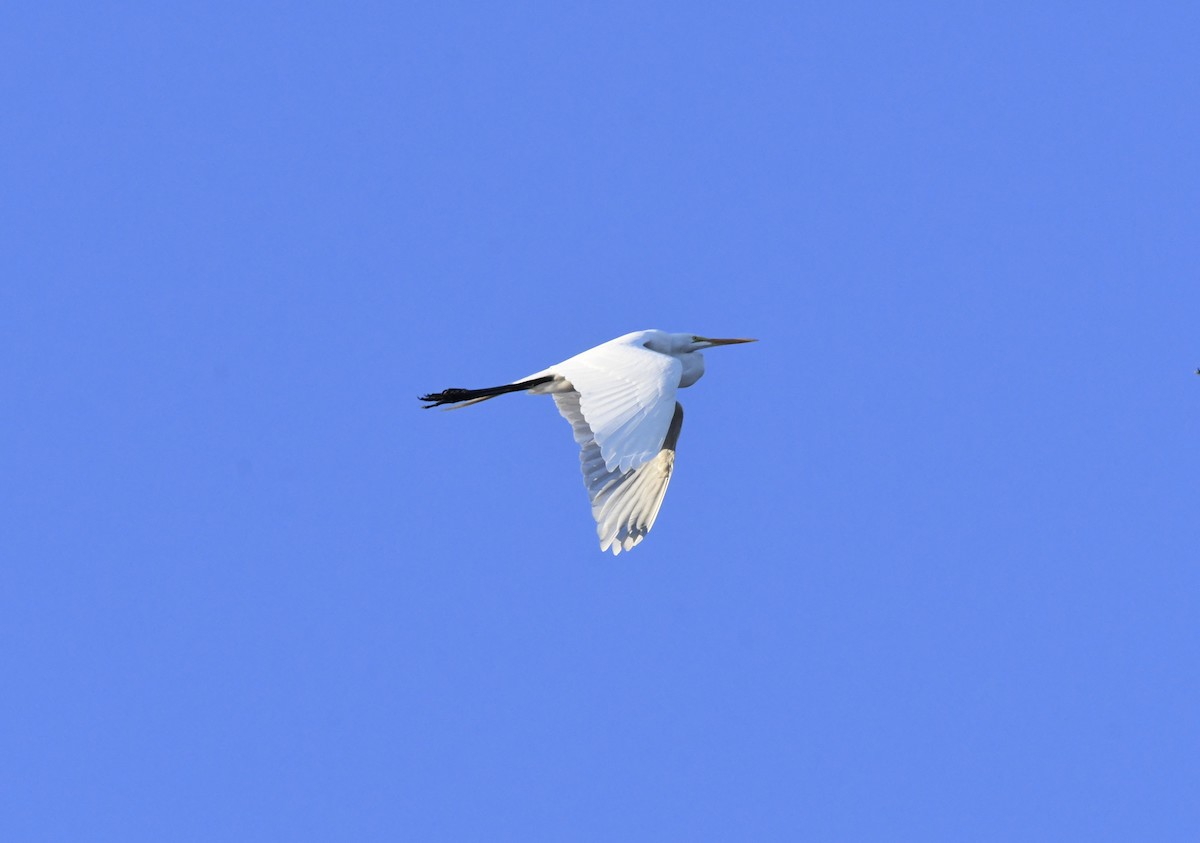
(620, 400)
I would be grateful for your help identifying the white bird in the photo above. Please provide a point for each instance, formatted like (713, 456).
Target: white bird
(620, 400)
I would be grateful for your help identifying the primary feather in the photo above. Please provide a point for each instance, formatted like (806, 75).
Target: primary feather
(624, 502)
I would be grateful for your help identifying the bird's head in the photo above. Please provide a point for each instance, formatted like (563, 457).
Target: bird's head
(680, 344)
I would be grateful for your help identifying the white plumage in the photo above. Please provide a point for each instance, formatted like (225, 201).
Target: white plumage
(627, 395)
(620, 400)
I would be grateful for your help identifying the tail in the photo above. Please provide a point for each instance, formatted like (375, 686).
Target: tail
(454, 398)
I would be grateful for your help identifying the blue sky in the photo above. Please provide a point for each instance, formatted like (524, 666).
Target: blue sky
(928, 566)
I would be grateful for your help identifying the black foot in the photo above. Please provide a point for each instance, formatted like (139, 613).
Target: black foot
(448, 396)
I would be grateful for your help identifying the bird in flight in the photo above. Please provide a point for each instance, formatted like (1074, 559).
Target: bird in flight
(620, 400)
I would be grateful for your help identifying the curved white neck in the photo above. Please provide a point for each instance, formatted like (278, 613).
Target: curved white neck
(693, 368)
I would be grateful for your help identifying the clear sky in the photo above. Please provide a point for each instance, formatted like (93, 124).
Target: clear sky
(929, 568)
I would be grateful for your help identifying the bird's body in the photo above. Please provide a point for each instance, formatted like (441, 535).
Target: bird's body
(620, 400)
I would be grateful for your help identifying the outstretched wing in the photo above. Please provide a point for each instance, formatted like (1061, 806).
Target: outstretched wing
(625, 502)
(626, 395)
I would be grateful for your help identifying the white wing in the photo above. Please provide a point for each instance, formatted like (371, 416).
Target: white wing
(624, 502)
(626, 397)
